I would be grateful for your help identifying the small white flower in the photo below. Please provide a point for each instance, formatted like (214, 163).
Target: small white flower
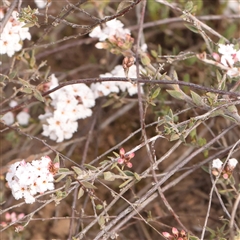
(13, 103)
(23, 118)
(41, 3)
(217, 163)
(113, 27)
(232, 162)
(227, 49)
(8, 117)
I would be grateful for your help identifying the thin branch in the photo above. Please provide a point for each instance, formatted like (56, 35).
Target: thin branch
(94, 80)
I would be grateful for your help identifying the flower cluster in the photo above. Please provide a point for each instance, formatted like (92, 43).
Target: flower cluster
(112, 28)
(114, 37)
(229, 58)
(27, 179)
(217, 167)
(125, 158)
(22, 117)
(74, 102)
(105, 88)
(176, 235)
(13, 34)
(11, 218)
(70, 103)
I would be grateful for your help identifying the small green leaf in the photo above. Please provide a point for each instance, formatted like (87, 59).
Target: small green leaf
(174, 137)
(32, 59)
(176, 94)
(27, 90)
(24, 82)
(145, 60)
(108, 176)
(77, 170)
(99, 207)
(124, 4)
(90, 167)
(108, 102)
(129, 173)
(101, 221)
(192, 28)
(188, 6)
(175, 76)
(68, 184)
(154, 53)
(56, 159)
(60, 178)
(196, 98)
(136, 175)
(156, 93)
(159, 50)
(116, 154)
(12, 75)
(38, 95)
(125, 183)
(80, 192)
(232, 109)
(62, 170)
(88, 185)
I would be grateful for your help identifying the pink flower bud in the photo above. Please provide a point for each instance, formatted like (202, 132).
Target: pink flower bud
(225, 176)
(166, 234)
(216, 57)
(122, 151)
(120, 161)
(131, 155)
(21, 215)
(175, 231)
(7, 216)
(129, 164)
(183, 233)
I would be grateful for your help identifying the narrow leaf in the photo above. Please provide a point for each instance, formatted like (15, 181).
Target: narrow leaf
(175, 94)
(38, 95)
(60, 178)
(80, 193)
(77, 170)
(108, 176)
(88, 185)
(196, 98)
(156, 93)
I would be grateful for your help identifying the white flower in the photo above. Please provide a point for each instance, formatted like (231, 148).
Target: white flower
(227, 49)
(41, 3)
(104, 88)
(13, 103)
(23, 118)
(113, 27)
(233, 72)
(27, 179)
(8, 118)
(217, 163)
(227, 60)
(232, 162)
(12, 35)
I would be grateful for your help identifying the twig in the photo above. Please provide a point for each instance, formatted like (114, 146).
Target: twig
(75, 193)
(89, 29)
(179, 19)
(193, 18)
(233, 214)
